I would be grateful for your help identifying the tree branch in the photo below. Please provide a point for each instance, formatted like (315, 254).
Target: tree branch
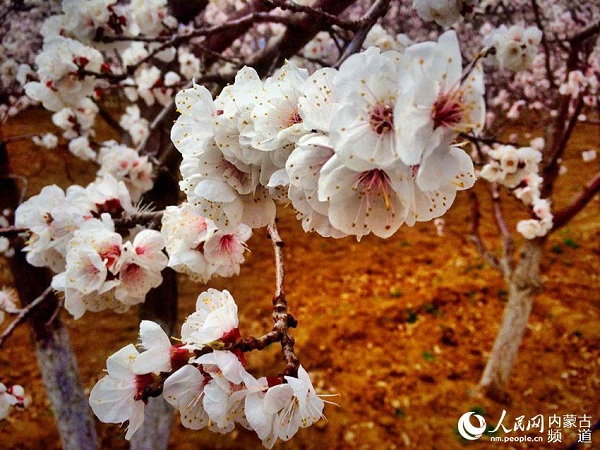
(316, 13)
(295, 38)
(560, 141)
(507, 263)
(23, 313)
(565, 215)
(547, 53)
(283, 321)
(475, 236)
(377, 10)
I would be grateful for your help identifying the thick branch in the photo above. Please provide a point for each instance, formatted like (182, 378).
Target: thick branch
(281, 318)
(565, 215)
(377, 10)
(12, 230)
(295, 38)
(149, 219)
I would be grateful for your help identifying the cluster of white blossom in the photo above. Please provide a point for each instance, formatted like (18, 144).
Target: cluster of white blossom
(209, 389)
(85, 20)
(379, 37)
(69, 70)
(73, 234)
(12, 396)
(104, 271)
(53, 216)
(357, 150)
(59, 67)
(198, 248)
(443, 12)
(514, 48)
(126, 165)
(517, 170)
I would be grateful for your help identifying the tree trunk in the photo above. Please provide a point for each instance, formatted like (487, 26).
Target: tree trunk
(160, 306)
(522, 286)
(56, 360)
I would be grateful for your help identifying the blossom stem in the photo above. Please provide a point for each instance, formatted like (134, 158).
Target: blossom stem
(283, 321)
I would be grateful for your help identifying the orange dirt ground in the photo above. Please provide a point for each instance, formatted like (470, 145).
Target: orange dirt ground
(399, 328)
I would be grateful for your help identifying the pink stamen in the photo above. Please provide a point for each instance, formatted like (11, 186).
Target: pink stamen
(375, 182)
(448, 110)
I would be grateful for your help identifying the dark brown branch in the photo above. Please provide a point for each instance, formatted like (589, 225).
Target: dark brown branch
(23, 314)
(565, 215)
(377, 10)
(475, 236)
(22, 137)
(316, 13)
(297, 35)
(483, 140)
(547, 54)
(248, 344)
(110, 120)
(151, 220)
(12, 230)
(560, 140)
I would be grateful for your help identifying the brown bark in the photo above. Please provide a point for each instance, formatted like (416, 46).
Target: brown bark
(522, 286)
(56, 360)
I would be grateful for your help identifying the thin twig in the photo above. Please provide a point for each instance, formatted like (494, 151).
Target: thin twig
(508, 243)
(483, 140)
(547, 54)
(317, 14)
(23, 313)
(110, 120)
(474, 234)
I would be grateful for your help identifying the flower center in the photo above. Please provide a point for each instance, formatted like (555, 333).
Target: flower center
(294, 118)
(448, 110)
(375, 182)
(382, 119)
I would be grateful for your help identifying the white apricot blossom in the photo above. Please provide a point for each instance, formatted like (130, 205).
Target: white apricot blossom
(116, 398)
(215, 318)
